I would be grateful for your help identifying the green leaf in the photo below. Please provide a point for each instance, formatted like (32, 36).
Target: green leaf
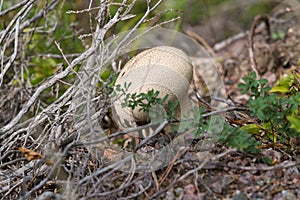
(251, 128)
(284, 84)
(295, 122)
(280, 89)
(105, 74)
(267, 160)
(237, 138)
(278, 35)
(272, 137)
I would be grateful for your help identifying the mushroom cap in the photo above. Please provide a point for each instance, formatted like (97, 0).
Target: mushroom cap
(164, 69)
(163, 55)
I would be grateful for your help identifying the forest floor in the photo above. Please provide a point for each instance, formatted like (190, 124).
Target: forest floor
(238, 175)
(226, 173)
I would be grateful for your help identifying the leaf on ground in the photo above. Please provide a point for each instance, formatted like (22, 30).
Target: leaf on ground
(30, 154)
(295, 121)
(251, 128)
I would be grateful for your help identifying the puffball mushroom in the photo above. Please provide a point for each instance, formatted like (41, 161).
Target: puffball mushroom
(165, 69)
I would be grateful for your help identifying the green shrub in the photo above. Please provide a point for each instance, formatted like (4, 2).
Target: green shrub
(276, 109)
(275, 112)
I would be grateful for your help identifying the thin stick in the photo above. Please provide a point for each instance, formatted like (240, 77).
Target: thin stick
(202, 41)
(251, 34)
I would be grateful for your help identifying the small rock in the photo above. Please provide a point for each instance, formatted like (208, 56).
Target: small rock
(190, 189)
(170, 194)
(245, 178)
(219, 185)
(288, 195)
(240, 195)
(193, 197)
(179, 192)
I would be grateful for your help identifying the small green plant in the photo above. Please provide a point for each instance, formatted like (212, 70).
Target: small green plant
(166, 111)
(277, 108)
(111, 88)
(195, 122)
(143, 100)
(279, 35)
(254, 87)
(276, 111)
(239, 138)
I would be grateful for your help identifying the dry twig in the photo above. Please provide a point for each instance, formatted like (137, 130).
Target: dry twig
(251, 34)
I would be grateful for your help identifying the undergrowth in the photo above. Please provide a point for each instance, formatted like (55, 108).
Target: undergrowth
(274, 114)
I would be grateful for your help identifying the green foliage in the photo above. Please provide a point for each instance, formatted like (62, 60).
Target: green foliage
(55, 28)
(277, 109)
(160, 109)
(278, 35)
(267, 160)
(295, 122)
(110, 88)
(140, 7)
(288, 85)
(255, 87)
(251, 128)
(238, 138)
(41, 69)
(117, 89)
(195, 122)
(143, 100)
